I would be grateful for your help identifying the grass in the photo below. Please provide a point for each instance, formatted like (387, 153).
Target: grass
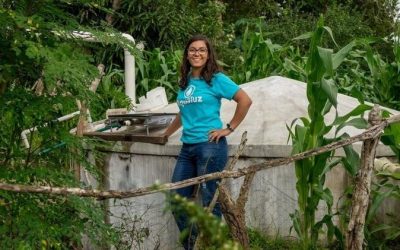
(260, 241)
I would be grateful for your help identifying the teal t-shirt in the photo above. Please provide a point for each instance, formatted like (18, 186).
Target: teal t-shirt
(200, 104)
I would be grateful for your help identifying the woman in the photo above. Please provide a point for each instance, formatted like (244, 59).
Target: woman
(202, 86)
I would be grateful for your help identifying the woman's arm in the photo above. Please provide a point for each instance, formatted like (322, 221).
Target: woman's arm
(243, 104)
(174, 126)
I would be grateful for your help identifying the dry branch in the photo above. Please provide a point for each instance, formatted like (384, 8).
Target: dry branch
(244, 192)
(116, 5)
(362, 188)
(83, 121)
(234, 218)
(234, 212)
(368, 134)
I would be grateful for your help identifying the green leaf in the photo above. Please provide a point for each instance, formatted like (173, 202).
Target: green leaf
(300, 134)
(331, 165)
(296, 222)
(291, 66)
(376, 202)
(324, 194)
(307, 35)
(326, 57)
(145, 84)
(339, 57)
(352, 160)
(360, 109)
(329, 30)
(381, 227)
(395, 175)
(394, 235)
(330, 89)
(320, 164)
(248, 75)
(359, 123)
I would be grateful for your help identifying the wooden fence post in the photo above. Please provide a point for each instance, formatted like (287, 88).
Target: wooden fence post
(233, 211)
(83, 121)
(362, 187)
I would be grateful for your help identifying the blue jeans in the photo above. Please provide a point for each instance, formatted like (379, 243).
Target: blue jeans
(196, 160)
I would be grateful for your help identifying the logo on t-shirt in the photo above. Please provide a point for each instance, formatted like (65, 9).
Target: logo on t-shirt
(189, 98)
(189, 91)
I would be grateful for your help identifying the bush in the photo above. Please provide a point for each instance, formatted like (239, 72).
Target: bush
(165, 23)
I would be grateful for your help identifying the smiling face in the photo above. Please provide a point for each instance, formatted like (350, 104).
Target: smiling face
(199, 60)
(197, 56)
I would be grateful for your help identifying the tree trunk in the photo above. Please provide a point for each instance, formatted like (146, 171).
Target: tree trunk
(83, 117)
(234, 217)
(116, 5)
(362, 188)
(80, 129)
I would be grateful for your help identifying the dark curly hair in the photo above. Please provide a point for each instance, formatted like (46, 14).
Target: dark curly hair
(209, 69)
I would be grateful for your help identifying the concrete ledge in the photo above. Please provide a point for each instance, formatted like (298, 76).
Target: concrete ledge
(252, 150)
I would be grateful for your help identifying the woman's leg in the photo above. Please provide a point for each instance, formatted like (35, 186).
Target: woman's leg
(211, 157)
(184, 169)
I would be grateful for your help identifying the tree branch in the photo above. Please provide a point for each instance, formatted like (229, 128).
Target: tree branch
(362, 188)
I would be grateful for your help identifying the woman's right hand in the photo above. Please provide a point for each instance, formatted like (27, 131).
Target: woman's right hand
(216, 134)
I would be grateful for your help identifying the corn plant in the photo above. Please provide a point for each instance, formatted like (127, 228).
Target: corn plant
(260, 57)
(391, 137)
(381, 235)
(158, 68)
(311, 132)
(372, 76)
(383, 78)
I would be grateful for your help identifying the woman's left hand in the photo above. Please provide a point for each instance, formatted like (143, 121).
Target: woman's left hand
(216, 134)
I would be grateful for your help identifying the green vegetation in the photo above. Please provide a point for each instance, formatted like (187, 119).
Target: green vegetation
(311, 133)
(213, 233)
(383, 235)
(260, 241)
(43, 71)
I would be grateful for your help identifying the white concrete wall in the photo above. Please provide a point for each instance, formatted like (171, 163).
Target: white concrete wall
(271, 199)
(128, 171)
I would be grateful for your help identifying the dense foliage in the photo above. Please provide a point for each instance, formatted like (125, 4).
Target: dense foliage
(44, 71)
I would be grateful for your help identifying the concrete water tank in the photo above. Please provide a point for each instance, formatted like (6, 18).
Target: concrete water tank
(276, 102)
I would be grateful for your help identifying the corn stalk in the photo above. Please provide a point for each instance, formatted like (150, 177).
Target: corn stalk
(310, 132)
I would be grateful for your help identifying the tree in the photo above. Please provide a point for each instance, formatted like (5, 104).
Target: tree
(42, 74)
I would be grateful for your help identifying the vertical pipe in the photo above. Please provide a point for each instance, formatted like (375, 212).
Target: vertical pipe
(130, 88)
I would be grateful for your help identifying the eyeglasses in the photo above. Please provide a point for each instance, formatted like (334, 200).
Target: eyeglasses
(202, 51)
